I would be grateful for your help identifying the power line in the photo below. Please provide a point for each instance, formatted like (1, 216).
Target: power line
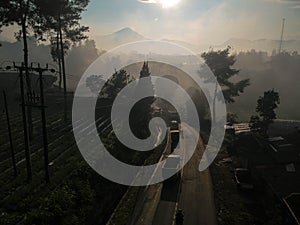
(33, 100)
(21, 68)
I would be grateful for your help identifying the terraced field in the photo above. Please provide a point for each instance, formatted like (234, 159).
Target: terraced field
(17, 196)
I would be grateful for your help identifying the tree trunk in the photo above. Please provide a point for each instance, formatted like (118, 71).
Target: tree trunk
(63, 70)
(59, 60)
(27, 76)
(214, 104)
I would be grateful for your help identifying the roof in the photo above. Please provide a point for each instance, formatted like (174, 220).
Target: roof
(272, 139)
(283, 127)
(284, 152)
(293, 201)
(242, 128)
(174, 156)
(174, 131)
(280, 179)
(242, 169)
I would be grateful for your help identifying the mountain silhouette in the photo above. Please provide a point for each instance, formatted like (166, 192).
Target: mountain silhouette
(117, 38)
(266, 45)
(127, 35)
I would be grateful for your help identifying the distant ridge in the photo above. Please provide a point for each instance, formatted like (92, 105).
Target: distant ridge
(265, 45)
(126, 35)
(117, 38)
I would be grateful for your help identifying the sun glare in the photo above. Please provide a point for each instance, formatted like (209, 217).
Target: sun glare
(169, 3)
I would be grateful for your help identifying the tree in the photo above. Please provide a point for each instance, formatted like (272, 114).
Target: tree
(116, 83)
(56, 56)
(4, 10)
(112, 87)
(199, 100)
(81, 56)
(232, 118)
(94, 82)
(142, 111)
(109, 91)
(220, 62)
(266, 106)
(255, 122)
(60, 20)
(22, 13)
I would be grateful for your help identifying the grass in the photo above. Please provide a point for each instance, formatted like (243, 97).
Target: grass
(123, 213)
(18, 198)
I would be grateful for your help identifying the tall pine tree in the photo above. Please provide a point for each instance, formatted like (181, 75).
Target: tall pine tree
(220, 62)
(60, 19)
(22, 13)
(142, 111)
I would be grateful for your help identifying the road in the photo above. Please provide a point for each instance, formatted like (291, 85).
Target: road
(195, 197)
(165, 210)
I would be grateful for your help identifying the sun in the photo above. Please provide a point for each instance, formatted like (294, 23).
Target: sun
(169, 3)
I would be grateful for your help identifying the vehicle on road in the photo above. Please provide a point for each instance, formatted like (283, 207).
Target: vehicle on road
(171, 166)
(175, 134)
(243, 178)
(174, 125)
(179, 218)
(173, 115)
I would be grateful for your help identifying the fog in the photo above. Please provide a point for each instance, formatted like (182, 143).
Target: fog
(277, 71)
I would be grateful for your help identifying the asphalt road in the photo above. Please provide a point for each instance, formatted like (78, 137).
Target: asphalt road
(195, 196)
(165, 210)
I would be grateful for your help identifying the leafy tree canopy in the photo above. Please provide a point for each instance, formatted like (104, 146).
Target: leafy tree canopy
(220, 62)
(267, 104)
(62, 14)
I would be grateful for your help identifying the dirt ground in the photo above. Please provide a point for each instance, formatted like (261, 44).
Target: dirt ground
(235, 206)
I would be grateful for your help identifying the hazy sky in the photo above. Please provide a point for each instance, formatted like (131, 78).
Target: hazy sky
(195, 21)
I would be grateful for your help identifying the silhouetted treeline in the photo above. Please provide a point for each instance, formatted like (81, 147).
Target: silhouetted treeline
(78, 58)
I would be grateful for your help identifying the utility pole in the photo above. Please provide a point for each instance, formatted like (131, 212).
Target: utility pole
(10, 136)
(281, 38)
(43, 115)
(25, 127)
(45, 138)
(32, 102)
